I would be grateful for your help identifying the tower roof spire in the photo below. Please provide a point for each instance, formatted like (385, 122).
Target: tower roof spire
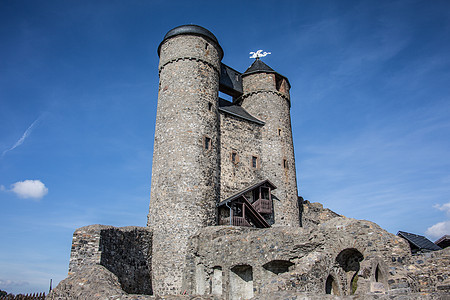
(258, 66)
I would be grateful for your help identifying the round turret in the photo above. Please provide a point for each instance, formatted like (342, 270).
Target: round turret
(185, 171)
(266, 97)
(193, 30)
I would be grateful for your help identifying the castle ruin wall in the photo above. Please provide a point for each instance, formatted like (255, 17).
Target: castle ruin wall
(124, 251)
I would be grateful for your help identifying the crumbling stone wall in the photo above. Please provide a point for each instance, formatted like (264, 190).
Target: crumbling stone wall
(274, 263)
(356, 254)
(312, 214)
(428, 272)
(125, 251)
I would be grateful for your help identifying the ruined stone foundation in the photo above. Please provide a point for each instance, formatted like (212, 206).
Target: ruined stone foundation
(345, 258)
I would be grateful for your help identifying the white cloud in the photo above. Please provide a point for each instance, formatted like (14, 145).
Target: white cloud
(439, 229)
(29, 189)
(444, 207)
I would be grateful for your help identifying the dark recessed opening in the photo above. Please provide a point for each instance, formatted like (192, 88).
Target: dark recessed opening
(254, 162)
(207, 143)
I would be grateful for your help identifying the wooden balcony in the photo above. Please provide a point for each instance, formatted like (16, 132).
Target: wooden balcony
(263, 206)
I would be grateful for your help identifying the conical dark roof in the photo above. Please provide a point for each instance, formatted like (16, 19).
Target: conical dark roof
(257, 67)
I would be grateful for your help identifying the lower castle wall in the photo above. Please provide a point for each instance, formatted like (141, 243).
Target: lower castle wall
(124, 251)
(345, 256)
(357, 256)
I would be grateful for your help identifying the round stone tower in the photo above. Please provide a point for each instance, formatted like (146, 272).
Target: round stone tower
(266, 96)
(185, 171)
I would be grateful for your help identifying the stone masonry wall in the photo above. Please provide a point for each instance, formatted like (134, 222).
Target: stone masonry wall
(185, 171)
(262, 100)
(125, 251)
(243, 138)
(86, 247)
(283, 263)
(429, 272)
(356, 254)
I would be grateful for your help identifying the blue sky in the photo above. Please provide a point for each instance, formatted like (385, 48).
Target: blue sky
(78, 91)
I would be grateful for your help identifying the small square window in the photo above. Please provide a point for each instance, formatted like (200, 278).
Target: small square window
(207, 143)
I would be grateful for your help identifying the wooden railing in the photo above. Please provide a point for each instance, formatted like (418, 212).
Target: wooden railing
(235, 221)
(240, 221)
(263, 206)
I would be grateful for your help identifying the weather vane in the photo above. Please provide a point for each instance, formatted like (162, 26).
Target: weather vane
(259, 54)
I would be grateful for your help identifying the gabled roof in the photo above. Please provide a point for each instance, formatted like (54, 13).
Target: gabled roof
(247, 189)
(443, 242)
(419, 241)
(237, 111)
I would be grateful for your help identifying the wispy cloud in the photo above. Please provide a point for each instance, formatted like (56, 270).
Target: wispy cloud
(5, 283)
(444, 207)
(388, 171)
(24, 136)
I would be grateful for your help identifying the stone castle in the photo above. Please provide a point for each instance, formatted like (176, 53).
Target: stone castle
(225, 219)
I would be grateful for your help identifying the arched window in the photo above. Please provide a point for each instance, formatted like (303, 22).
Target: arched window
(216, 282)
(331, 286)
(278, 266)
(241, 282)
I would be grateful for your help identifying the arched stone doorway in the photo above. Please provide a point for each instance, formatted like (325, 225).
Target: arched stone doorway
(349, 261)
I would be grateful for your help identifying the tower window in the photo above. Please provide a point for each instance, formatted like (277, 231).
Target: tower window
(206, 142)
(279, 131)
(254, 162)
(285, 164)
(234, 157)
(210, 106)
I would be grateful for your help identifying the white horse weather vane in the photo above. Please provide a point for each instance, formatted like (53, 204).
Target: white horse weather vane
(259, 54)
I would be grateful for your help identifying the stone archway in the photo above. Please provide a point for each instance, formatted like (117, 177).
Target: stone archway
(378, 279)
(241, 282)
(349, 261)
(278, 266)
